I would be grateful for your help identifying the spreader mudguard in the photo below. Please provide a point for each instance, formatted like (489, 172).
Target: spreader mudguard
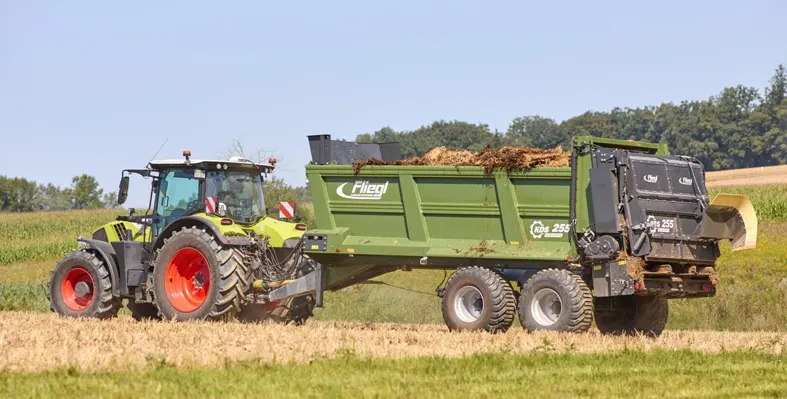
(732, 217)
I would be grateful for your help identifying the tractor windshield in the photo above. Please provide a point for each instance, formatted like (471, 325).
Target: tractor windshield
(237, 194)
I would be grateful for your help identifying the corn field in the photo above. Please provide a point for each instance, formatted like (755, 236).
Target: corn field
(47, 235)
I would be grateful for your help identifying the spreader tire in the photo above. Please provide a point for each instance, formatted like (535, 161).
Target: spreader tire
(195, 278)
(476, 298)
(555, 300)
(632, 315)
(289, 311)
(80, 286)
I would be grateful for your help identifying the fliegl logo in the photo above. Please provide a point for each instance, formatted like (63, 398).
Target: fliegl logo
(363, 190)
(651, 178)
(685, 181)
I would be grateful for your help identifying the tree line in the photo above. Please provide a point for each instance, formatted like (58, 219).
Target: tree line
(738, 127)
(21, 195)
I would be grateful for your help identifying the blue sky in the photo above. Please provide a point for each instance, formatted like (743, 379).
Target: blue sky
(97, 86)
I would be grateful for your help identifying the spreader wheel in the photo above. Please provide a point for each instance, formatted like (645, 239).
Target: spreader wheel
(555, 300)
(80, 286)
(477, 298)
(196, 278)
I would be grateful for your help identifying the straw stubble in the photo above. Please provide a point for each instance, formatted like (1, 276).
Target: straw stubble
(36, 342)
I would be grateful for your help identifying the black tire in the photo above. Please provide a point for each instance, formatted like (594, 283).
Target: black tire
(143, 311)
(228, 273)
(87, 290)
(572, 313)
(632, 315)
(289, 311)
(478, 299)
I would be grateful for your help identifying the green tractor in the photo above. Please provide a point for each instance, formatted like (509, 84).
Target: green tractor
(207, 251)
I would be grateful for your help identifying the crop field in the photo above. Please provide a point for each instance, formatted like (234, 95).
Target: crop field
(750, 177)
(386, 337)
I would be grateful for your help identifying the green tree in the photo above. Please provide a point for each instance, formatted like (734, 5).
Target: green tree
(17, 194)
(774, 140)
(110, 200)
(53, 198)
(536, 131)
(85, 192)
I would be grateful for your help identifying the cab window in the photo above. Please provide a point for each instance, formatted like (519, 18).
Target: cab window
(178, 196)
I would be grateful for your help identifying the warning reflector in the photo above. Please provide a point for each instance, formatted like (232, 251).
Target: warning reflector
(210, 205)
(287, 209)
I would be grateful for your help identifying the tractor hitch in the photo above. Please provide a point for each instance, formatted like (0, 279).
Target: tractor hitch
(311, 283)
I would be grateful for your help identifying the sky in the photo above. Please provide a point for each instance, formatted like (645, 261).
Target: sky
(97, 86)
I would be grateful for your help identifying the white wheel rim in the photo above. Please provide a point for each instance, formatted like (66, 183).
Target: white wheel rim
(468, 304)
(546, 307)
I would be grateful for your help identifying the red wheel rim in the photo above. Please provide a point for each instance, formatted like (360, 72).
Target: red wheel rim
(187, 280)
(77, 289)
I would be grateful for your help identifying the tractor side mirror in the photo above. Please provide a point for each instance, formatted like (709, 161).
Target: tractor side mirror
(123, 190)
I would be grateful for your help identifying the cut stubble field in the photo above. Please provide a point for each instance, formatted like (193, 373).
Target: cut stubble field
(34, 342)
(48, 356)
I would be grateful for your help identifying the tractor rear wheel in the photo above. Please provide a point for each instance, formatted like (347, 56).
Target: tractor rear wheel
(293, 310)
(80, 286)
(196, 278)
(477, 298)
(555, 300)
(631, 315)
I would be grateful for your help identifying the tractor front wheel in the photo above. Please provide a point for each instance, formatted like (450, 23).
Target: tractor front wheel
(80, 286)
(195, 278)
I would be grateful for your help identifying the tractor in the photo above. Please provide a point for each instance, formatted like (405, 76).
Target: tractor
(205, 249)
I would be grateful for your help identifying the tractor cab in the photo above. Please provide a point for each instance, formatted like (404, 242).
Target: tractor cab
(228, 189)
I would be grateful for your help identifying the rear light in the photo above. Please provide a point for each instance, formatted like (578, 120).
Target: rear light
(300, 227)
(226, 222)
(639, 286)
(706, 287)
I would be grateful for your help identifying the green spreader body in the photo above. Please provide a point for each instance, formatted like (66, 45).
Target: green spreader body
(385, 218)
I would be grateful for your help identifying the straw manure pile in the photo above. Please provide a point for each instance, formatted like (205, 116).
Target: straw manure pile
(508, 158)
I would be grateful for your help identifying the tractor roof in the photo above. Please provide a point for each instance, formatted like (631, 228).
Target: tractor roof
(208, 164)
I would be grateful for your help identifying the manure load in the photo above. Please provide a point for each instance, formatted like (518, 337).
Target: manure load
(608, 231)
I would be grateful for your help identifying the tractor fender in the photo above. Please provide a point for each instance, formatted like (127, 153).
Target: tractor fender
(197, 221)
(106, 253)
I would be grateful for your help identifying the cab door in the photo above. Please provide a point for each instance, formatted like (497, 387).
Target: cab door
(179, 194)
